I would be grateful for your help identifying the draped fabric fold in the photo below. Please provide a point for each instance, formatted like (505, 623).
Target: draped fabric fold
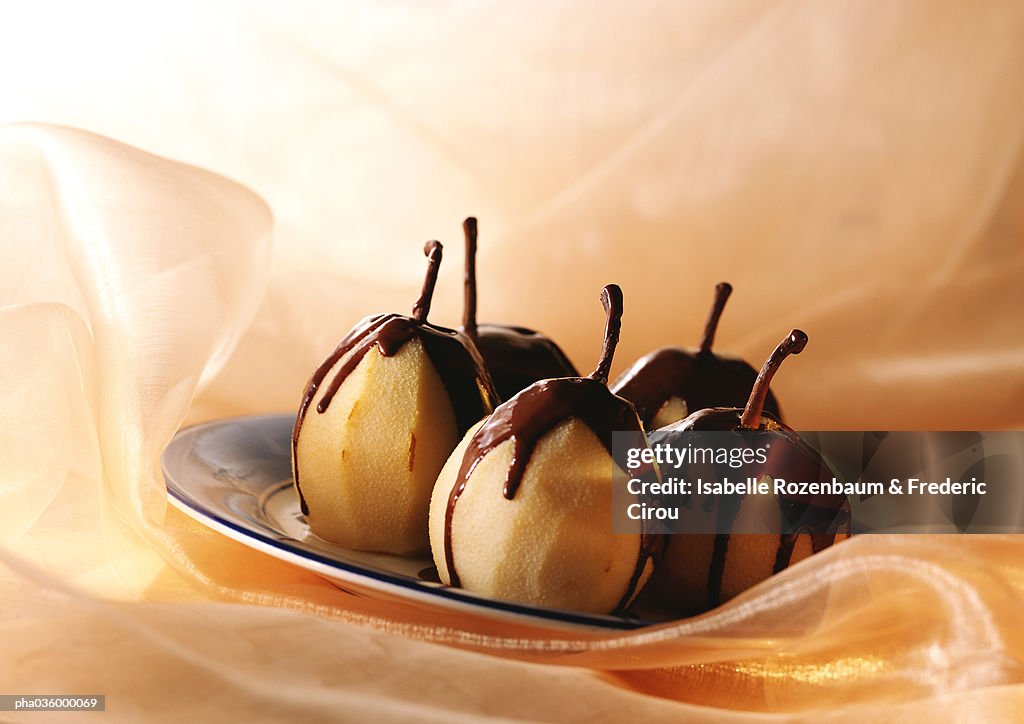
(856, 170)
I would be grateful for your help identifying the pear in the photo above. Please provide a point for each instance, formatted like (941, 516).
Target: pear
(516, 357)
(378, 419)
(668, 384)
(699, 571)
(522, 510)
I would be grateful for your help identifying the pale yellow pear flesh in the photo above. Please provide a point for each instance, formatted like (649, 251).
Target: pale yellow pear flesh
(680, 582)
(552, 543)
(673, 410)
(366, 466)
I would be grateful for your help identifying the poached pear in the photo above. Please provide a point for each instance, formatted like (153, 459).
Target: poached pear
(378, 419)
(668, 384)
(523, 508)
(699, 571)
(515, 356)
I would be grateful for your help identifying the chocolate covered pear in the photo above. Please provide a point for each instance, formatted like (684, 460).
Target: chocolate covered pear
(522, 509)
(670, 383)
(516, 356)
(697, 572)
(378, 419)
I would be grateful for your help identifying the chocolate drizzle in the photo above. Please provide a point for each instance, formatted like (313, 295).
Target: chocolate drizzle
(456, 359)
(515, 356)
(823, 535)
(701, 380)
(537, 410)
(651, 549)
(699, 377)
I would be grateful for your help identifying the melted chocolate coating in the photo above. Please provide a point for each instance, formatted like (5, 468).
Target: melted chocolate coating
(821, 516)
(701, 379)
(525, 419)
(454, 357)
(517, 357)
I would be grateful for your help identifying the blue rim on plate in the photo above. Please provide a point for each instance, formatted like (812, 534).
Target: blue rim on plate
(234, 476)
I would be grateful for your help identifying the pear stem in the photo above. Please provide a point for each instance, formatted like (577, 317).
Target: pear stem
(432, 250)
(722, 292)
(469, 304)
(793, 343)
(611, 299)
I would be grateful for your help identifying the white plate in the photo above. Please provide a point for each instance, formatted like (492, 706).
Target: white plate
(235, 477)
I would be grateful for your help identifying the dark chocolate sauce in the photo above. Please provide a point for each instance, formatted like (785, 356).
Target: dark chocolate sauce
(458, 364)
(515, 356)
(701, 380)
(455, 358)
(532, 413)
(822, 525)
(651, 549)
(699, 377)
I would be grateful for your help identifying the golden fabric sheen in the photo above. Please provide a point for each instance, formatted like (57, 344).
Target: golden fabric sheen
(854, 169)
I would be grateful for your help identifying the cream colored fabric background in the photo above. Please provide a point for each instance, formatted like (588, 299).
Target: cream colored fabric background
(855, 169)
